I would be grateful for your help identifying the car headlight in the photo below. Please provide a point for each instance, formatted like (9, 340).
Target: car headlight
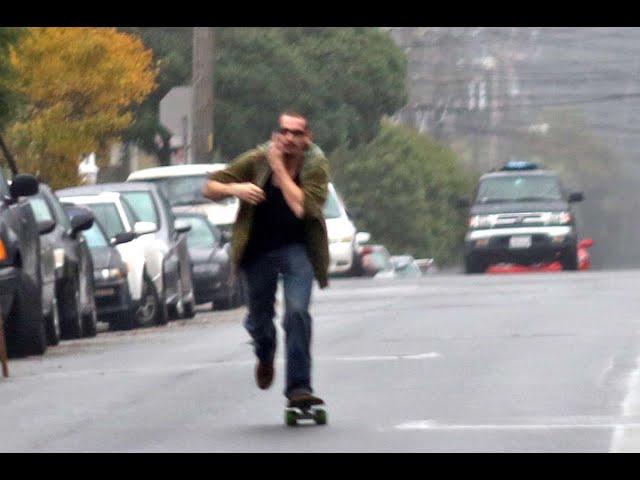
(480, 221)
(560, 218)
(58, 257)
(110, 274)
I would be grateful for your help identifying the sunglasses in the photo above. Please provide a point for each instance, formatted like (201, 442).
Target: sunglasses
(295, 133)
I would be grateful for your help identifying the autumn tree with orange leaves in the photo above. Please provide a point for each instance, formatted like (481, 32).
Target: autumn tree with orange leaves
(79, 86)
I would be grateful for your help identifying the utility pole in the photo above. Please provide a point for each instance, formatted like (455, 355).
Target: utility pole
(202, 100)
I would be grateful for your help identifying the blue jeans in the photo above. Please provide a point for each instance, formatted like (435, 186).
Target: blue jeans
(261, 276)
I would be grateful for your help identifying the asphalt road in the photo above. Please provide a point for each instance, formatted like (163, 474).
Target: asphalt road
(447, 363)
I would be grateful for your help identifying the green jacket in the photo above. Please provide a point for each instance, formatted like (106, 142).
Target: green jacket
(253, 166)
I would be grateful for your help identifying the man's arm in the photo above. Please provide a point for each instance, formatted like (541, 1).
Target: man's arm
(235, 180)
(293, 195)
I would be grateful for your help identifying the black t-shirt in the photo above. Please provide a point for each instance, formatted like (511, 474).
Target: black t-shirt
(274, 224)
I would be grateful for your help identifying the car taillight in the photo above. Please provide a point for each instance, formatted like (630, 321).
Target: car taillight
(3, 252)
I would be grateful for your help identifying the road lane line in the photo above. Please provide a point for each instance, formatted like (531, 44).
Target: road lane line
(432, 425)
(203, 366)
(624, 440)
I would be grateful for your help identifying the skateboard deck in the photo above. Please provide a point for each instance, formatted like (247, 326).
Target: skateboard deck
(317, 413)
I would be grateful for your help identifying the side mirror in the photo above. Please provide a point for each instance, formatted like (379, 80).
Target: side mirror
(46, 226)
(24, 185)
(586, 243)
(81, 221)
(143, 228)
(362, 237)
(576, 197)
(122, 237)
(182, 226)
(462, 202)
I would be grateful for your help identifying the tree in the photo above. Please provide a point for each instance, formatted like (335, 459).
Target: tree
(79, 85)
(406, 185)
(8, 37)
(345, 79)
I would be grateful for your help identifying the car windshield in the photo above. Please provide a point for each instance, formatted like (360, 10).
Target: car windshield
(185, 190)
(95, 237)
(332, 206)
(108, 216)
(40, 208)
(200, 235)
(519, 188)
(143, 206)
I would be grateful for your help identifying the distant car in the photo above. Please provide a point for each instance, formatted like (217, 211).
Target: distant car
(73, 264)
(20, 268)
(120, 223)
(166, 251)
(182, 186)
(211, 262)
(405, 266)
(344, 244)
(113, 298)
(521, 214)
(376, 261)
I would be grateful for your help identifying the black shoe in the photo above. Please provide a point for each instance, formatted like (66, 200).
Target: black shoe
(303, 400)
(264, 374)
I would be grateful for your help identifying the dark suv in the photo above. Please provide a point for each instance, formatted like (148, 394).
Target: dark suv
(20, 268)
(521, 214)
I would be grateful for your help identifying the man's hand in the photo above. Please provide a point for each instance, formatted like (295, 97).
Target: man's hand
(275, 155)
(248, 192)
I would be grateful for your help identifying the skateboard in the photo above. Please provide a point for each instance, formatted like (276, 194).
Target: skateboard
(317, 413)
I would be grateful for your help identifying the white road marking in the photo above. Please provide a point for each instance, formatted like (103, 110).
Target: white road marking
(420, 356)
(432, 425)
(203, 366)
(623, 439)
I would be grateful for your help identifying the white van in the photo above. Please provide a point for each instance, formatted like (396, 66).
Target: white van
(182, 185)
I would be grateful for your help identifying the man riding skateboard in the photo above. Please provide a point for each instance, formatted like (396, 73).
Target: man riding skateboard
(280, 230)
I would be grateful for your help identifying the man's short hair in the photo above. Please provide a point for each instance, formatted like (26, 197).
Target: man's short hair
(294, 114)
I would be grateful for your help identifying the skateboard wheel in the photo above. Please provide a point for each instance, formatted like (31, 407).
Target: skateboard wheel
(290, 418)
(321, 417)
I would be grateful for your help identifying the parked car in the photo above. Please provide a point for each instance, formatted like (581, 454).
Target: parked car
(120, 223)
(344, 246)
(73, 264)
(166, 251)
(113, 298)
(405, 266)
(376, 260)
(211, 263)
(20, 268)
(182, 186)
(50, 309)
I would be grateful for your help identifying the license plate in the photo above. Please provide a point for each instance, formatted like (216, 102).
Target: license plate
(520, 242)
(105, 292)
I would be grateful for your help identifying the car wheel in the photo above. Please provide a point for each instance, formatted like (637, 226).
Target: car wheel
(148, 311)
(474, 265)
(71, 310)
(90, 321)
(190, 307)
(26, 332)
(569, 259)
(52, 322)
